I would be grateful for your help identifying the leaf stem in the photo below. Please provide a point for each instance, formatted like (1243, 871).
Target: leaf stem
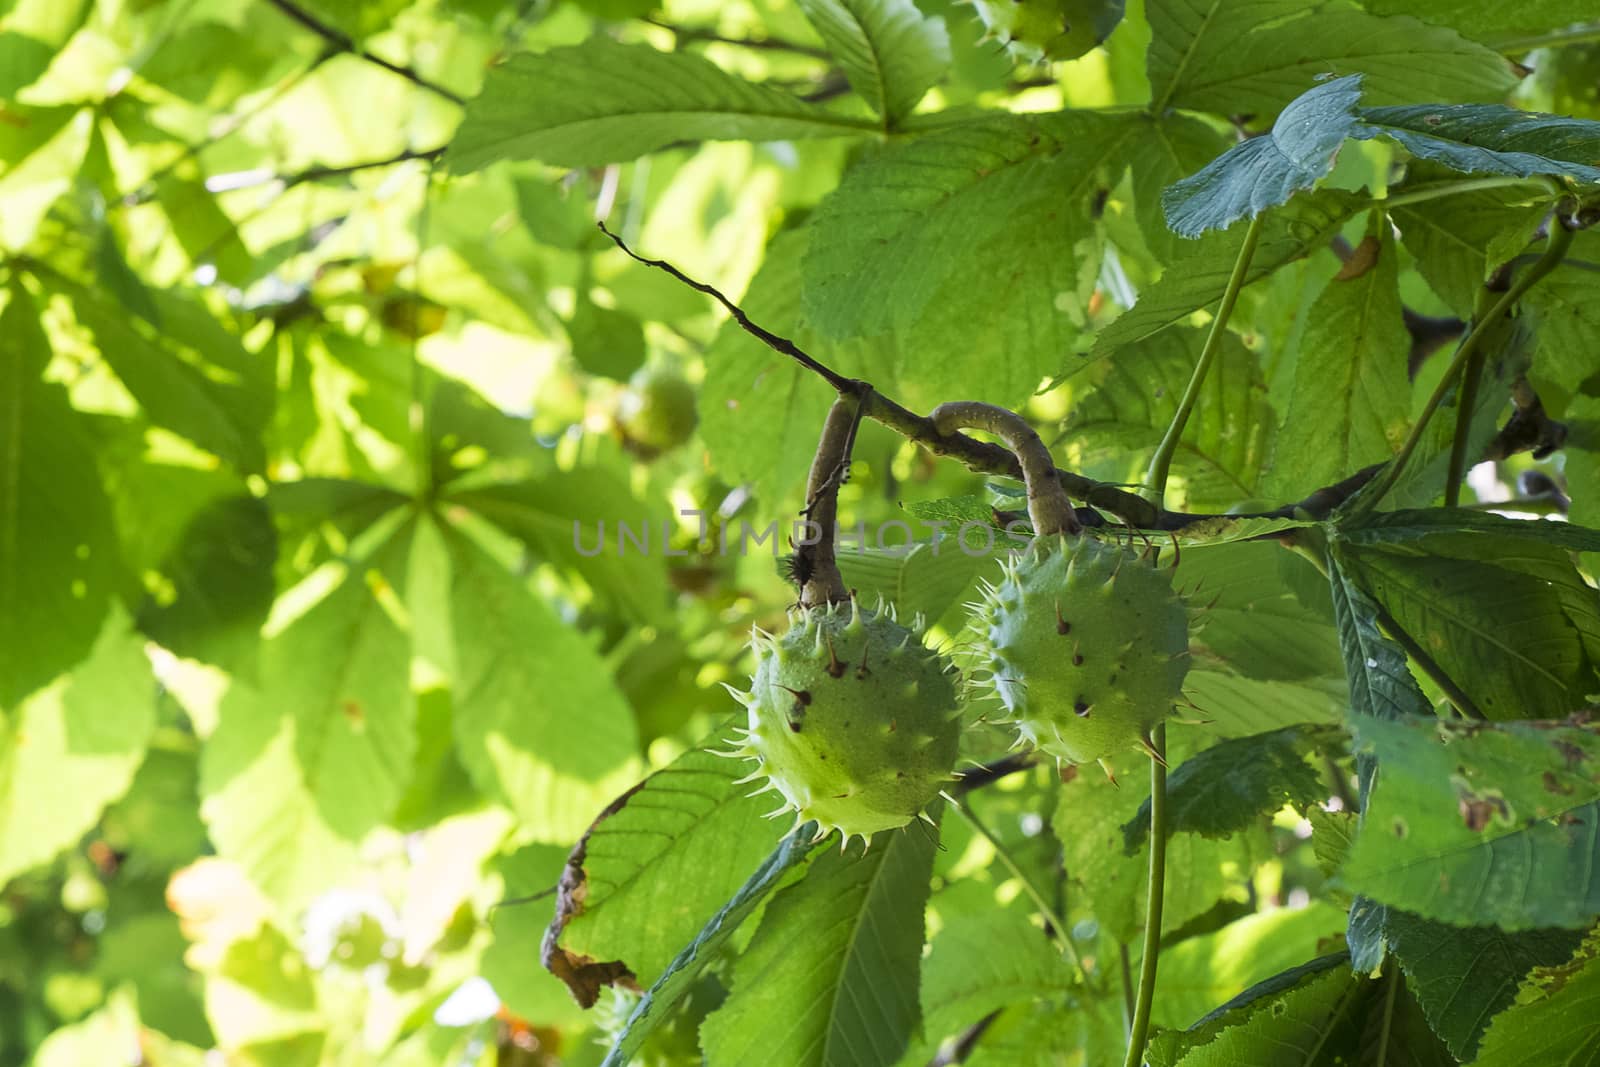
(1555, 248)
(1572, 35)
(1436, 190)
(1059, 932)
(1140, 1032)
(1161, 463)
(1388, 1019)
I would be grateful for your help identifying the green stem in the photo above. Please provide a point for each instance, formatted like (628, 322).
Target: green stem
(1140, 1032)
(1555, 248)
(1059, 932)
(1574, 35)
(1443, 189)
(1161, 462)
(1388, 1019)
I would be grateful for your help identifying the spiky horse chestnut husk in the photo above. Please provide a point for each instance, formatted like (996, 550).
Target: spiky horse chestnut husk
(1088, 645)
(851, 719)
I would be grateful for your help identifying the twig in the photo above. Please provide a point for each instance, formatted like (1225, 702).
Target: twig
(1161, 462)
(1556, 248)
(340, 40)
(1139, 1032)
(689, 34)
(250, 179)
(989, 773)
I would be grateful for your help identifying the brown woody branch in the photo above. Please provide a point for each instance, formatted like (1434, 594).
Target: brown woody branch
(986, 457)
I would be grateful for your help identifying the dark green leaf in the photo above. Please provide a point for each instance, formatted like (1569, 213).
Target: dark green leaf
(1264, 172)
(1464, 975)
(682, 972)
(747, 384)
(1225, 443)
(1231, 785)
(1286, 1021)
(1490, 139)
(1481, 823)
(606, 341)
(980, 963)
(1350, 404)
(607, 102)
(1252, 59)
(540, 724)
(1490, 19)
(660, 862)
(574, 518)
(221, 582)
(1197, 278)
(890, 50)
(1458, 239)
(70, 748)
(937, 243)
(1557, 1012)
(59, 564)
(1502, 635)
(306, 761)
(831, 975)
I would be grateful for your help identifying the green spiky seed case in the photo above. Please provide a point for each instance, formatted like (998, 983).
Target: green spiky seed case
(852, 720)
(1037, 30)
(1088, 645)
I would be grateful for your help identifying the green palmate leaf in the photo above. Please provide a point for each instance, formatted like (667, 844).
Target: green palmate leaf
(221, 583)
(1266, 171)
(937, 243)
(1225, 444)
(1106, 883)
(986, 961)
(1381, 684)
(1465, 533)
(831, 975)
(574, 519)
(1464, 976)
(205, 400)
(1568, 321)
(1299, 1018)
(1197, 278)
(539, 722)
(1457, 240)
(306, 761)
(1479, 823)
(892, 53)
(605, 102)
(927, 580)
(1198, 973)
(1050, 1034)
(41, 150)
(606, 341)
(1490, 139)
(1350, 403)
(1490, 20)
(1557, 1011)
(1504, 636)
(676, 981)
(658, 865)
(1232, 785)
(59, 563)
(261, 1000)
(747, 384)
(1250, 619)
(1174, 147)
(1253, 58)
(1236, 706)
(72, 747)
